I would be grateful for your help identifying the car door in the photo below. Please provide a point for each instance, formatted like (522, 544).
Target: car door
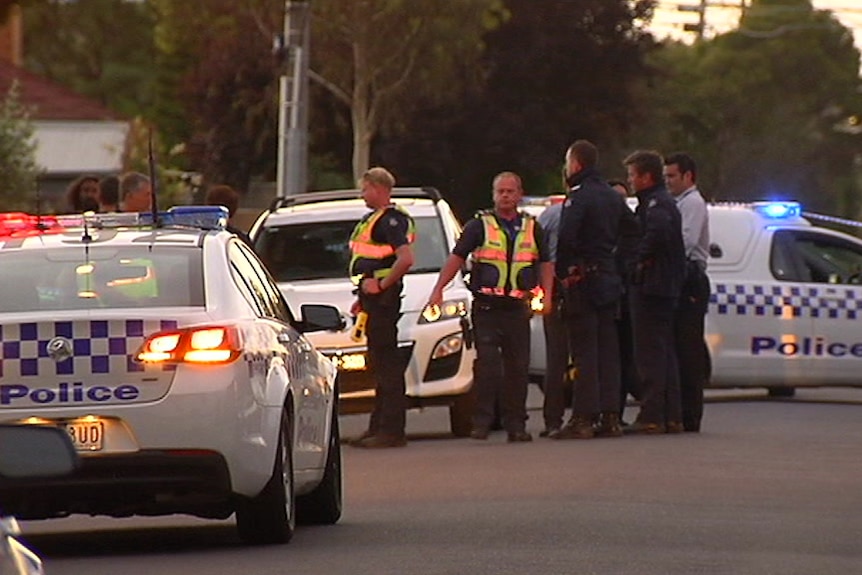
(311, 394)
(831, 265)
(756, 319)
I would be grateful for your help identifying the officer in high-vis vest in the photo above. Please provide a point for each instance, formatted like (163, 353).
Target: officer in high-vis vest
(381, 253)
(510, 261)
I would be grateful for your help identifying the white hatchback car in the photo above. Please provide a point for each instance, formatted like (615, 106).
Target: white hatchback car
(303, 240)
(168, 354)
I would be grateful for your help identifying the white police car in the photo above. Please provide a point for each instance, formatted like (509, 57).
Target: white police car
(303, 240)
(785, 300)
(786, 296)
(169, 356)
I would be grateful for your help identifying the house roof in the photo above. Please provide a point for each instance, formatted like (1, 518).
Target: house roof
(50, 100)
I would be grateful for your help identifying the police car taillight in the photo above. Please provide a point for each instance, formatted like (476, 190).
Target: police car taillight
(193, 345)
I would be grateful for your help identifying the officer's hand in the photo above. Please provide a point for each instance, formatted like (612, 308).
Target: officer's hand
(436, 298)
(371, 286)
(355, 308)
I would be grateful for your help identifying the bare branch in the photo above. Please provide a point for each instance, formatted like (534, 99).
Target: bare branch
(333, 89)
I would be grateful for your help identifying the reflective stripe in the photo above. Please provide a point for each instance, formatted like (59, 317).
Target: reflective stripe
(494, 252)
(363, 247)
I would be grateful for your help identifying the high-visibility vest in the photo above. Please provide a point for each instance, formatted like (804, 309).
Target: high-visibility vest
(363, 247)
(511, 262)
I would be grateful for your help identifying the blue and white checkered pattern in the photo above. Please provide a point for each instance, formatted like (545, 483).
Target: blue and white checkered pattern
(778, 300)
(99, 347)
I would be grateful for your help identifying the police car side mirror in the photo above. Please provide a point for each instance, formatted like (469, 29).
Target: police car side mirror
(319, 317)
(715, 251)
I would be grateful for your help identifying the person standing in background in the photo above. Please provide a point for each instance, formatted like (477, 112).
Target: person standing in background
(680, 175)
(136, 192)
(659, 267)
(594, 218)
(109, 194)
(224, 195)
(554, 330)
(510, 259)
(381, 253)
(628, 371)
(82, 195)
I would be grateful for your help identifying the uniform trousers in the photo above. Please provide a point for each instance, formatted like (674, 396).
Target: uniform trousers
(629, 384)
(595, 350)
(556, 366)
(655, 357)
(692, 353)
(390, 403)
(502, 335)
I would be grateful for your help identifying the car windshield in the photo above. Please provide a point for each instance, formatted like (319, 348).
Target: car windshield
(99, 277)
(319, 250)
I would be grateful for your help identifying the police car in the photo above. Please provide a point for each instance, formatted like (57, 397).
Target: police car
(786, 294)
(303, 240)
(165, 350)
(785, 298)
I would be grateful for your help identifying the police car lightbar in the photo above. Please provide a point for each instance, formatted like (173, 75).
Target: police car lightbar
(778, 210)
(17, 224)
(199, 217)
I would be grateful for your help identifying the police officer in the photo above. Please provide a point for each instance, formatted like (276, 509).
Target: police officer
(509, 260)
(594, 216)
(655, 287)
(554, 330)
(381, 254)
(680, 175)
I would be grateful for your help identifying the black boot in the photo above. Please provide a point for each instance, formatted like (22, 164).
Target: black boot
(609, 425)
(578, 427)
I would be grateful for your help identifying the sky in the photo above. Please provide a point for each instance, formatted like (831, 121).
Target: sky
(669, 20)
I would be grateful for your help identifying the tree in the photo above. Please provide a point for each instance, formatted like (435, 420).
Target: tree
(555, 71)
(383, 58)
(759, 106)
(18, 168)
(103, 49)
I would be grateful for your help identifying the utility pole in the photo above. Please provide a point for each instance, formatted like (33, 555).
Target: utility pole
(700, 27)
(700, 10)
(292, 175)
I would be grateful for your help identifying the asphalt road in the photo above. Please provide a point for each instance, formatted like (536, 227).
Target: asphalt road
(769, 486)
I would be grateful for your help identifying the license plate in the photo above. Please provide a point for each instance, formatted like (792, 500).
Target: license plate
(86, 435)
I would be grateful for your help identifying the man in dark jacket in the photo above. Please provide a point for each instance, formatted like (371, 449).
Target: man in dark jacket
(655, 288)
(593, 220)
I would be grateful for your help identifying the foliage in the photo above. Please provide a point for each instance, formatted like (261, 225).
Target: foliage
(100, 48)
(556, 71)
(759, 106)
(219, 85)
(18, 168)
(383, 59)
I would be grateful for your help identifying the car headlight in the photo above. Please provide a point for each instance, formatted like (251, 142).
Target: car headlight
(449, 309)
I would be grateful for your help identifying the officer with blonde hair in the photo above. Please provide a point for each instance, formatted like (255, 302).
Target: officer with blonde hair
(381, 253)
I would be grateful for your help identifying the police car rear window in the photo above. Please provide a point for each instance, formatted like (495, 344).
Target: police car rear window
(319, 250)
(100, 277)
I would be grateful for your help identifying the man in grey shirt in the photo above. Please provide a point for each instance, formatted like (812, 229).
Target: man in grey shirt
(556, 340)
(680, 173)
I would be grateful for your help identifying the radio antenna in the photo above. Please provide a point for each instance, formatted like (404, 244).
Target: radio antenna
(157, 221)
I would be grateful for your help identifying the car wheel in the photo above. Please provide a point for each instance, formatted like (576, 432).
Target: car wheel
(323, 505)
(461, 414)
(270, 517)
(781, 391)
